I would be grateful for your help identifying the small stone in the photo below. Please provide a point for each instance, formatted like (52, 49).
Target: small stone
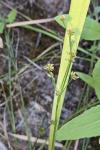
(2, 146)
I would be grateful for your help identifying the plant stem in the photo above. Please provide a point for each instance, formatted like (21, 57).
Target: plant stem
(71, 40)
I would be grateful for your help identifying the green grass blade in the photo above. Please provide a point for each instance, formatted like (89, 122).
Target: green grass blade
(36, 29)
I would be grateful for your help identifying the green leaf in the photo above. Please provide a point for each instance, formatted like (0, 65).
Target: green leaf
(84, 126)
(2, 24)
(86, 78)
(91, 30)
(12, 16)
(96, 78)
(96, 71)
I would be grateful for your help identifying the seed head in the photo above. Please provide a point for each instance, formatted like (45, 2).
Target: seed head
(74, 75)
(49, 67)
(62, 17)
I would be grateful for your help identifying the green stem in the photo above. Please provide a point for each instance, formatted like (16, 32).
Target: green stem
(55, 121)
(58, 93)
(75, 26)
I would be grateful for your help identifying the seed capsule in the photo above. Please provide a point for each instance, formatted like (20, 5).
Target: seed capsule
(62, 17)
(74, 75)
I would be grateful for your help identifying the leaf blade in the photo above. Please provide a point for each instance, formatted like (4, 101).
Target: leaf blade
(96, 77)
(85, 125)
(86, 78)
(12, 16)
(91, 30)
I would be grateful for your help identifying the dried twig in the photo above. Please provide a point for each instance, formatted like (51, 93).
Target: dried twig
(24, 23)
(34, 139)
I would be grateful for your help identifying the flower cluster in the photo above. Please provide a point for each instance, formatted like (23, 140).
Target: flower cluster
(49, 68)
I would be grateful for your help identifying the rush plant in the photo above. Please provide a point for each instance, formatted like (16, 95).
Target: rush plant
(72, 37)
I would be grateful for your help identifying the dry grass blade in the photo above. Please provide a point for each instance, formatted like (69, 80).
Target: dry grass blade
(24, 23)
(34, 139)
